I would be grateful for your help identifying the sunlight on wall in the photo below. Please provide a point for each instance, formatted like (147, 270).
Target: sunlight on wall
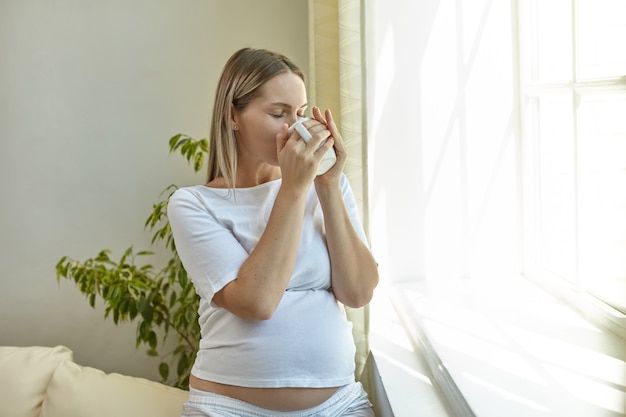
(382, 86)
(442, 123)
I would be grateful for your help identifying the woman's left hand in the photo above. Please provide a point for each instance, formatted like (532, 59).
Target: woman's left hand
(332, 175)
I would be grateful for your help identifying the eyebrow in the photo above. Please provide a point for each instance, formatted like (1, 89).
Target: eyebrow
(280, 104)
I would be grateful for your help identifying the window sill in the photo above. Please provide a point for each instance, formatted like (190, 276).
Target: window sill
(492, 349)
(396, 374)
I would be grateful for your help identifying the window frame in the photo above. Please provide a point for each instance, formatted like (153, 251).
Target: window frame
(577, 290)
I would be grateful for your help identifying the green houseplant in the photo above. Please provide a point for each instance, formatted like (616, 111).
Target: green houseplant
(162, 301)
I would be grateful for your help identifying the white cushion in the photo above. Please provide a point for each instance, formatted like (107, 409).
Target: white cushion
(24, 376)
(79, 391)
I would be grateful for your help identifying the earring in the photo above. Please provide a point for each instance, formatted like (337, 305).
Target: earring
(235, 126)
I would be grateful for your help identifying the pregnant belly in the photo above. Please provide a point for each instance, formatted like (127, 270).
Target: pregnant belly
(307, 343)
(277, 399)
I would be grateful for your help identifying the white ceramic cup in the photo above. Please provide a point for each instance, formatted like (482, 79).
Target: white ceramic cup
(329, 159)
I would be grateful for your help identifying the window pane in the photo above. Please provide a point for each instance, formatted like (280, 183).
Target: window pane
(603, 196)
(554, 40)
(601, 36)
(558, 181)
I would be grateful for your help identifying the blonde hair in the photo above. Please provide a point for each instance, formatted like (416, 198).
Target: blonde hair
(242, 80)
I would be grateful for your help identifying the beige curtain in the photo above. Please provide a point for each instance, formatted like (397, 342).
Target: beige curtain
(336, 81)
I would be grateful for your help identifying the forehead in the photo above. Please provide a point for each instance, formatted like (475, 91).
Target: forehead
(285, 88)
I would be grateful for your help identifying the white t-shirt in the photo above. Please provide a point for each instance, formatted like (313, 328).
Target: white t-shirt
(308, 341)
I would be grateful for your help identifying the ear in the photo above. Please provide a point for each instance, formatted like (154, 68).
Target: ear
(235, 118)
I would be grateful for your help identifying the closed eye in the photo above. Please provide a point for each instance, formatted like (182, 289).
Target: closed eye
(278, 116)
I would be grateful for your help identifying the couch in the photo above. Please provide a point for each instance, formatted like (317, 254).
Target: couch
(46, 382)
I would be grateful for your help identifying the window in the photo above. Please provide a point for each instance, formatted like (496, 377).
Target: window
(573, 106)
(497, 135)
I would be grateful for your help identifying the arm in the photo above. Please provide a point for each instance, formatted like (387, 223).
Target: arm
(263, 277)
(265, 274)
(353, 268)
(247, 281)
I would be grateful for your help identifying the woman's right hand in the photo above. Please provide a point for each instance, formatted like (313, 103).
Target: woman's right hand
(299, 160)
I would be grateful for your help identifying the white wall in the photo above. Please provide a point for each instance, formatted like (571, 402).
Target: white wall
(442, 120)
(90, 92)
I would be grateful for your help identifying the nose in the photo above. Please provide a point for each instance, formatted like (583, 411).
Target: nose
(292, 119)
